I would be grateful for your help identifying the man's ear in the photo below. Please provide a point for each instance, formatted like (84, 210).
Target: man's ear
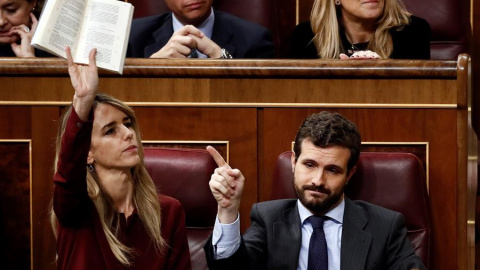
(350, 173)
(293, 162)
(90, 159)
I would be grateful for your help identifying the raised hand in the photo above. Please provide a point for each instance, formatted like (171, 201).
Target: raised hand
(24, 49)
(180, 44)
(226, 185)
(85, 82)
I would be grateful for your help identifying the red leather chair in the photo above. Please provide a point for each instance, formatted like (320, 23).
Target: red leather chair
(392, 180)
(450, 24)
(184, 174)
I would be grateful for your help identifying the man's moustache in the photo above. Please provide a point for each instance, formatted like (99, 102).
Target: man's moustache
(316, 188)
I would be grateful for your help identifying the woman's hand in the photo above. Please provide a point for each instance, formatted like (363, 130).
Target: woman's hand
(361, 55)
(24, 49)
(85, 82)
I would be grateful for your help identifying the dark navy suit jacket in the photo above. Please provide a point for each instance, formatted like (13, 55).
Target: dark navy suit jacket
(243, 39)
(372, 238)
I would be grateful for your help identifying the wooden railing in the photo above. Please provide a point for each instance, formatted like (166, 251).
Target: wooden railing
(251, 110)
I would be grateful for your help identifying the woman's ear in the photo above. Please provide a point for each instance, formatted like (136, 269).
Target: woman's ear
(34, 5)
(90, 159)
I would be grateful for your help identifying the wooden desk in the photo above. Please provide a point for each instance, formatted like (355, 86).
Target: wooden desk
(251, 110)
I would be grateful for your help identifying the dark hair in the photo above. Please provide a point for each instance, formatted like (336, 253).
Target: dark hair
(329, 129)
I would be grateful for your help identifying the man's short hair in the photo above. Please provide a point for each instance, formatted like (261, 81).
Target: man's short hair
(329, 129)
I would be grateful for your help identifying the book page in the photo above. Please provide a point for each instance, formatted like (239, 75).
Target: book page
(61, 26)
(106, 28)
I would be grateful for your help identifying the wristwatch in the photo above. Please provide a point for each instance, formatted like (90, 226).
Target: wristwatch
(225, 54)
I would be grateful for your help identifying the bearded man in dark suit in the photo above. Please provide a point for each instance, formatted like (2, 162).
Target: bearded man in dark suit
(355, 234)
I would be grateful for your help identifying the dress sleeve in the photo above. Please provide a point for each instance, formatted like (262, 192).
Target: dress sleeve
(71, 202)
(175, 233)
(302, 45)
(412, 41)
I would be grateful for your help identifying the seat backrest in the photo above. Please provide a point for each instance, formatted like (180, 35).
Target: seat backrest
(258, 11)
(450, 24)
(184, 175)
(392, 180)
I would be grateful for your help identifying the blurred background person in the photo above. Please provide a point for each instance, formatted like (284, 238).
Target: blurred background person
(18, 21)
(346, 28)
(194, 29)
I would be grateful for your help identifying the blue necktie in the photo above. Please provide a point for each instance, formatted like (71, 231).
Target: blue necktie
(193, 54)
(317, 251)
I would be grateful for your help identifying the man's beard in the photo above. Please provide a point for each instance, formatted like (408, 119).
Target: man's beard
(315, 205)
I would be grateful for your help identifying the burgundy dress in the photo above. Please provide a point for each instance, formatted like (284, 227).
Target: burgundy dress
(81, 242)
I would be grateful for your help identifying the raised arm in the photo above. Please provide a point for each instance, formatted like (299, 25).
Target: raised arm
(85, 82)
(226, 185)
(71, 202)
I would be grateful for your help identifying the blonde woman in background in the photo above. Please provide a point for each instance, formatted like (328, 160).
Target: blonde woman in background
(106, 211)
(361, 29)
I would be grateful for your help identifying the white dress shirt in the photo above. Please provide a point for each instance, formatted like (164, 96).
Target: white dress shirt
(226, 237)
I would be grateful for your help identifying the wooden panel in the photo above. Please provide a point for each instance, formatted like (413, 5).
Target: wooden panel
(44, 130)
(257, 106)
(15, 224)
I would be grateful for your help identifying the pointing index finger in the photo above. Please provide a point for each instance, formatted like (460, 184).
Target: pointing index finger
(217, 157)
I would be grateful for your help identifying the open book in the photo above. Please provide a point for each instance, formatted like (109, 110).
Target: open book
(83, 25)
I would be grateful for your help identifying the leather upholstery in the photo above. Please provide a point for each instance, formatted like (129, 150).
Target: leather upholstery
(450, 24)
(258, 11)
(392, 180)
(184, 174)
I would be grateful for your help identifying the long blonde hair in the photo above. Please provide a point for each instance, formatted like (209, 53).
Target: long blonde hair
(324, 21)
(145, 196)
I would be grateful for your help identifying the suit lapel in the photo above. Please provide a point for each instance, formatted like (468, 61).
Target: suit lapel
(355, 241)
(286, 240)
(161, 37)
(222, 33)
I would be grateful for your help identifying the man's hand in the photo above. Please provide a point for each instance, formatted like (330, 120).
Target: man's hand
(85, 82)
(226, 185)
(180, 44)
(207, 47)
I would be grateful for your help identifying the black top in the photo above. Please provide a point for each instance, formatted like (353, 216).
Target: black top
(410, 42)
(6, 51)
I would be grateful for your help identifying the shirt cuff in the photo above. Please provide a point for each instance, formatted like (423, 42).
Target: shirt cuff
(225, 233)
(226, 238)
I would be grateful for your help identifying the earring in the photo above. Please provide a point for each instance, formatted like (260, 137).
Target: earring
(337, 2)
(90, 167)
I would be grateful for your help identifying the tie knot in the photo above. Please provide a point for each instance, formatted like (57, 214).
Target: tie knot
(317, 221)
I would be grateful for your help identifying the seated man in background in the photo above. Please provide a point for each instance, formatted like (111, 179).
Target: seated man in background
(322, 229)
(194, 29)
